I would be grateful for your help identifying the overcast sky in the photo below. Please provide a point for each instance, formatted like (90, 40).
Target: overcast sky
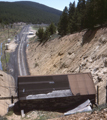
(57, 4)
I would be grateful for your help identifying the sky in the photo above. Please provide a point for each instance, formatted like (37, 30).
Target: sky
(57, 4)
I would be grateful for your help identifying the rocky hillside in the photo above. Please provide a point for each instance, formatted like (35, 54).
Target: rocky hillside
(96, 115)
(72, 54)
(7, 89)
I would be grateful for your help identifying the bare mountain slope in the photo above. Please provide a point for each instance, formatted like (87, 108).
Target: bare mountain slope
(68, 55)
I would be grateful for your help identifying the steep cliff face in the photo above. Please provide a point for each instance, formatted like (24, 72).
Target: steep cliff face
(79, 52)
(7, 89)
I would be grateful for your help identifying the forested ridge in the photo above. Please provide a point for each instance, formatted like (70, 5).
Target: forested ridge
(29, 12)
(86, 14)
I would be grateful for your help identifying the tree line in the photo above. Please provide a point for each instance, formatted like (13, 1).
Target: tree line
(28, 12)
(87, 14)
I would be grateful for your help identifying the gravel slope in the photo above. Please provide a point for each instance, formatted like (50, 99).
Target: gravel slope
(7, 89)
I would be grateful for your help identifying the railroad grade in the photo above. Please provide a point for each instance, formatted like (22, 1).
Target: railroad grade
(21, 61)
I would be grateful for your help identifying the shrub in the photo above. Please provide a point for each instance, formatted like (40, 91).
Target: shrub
(44, 35)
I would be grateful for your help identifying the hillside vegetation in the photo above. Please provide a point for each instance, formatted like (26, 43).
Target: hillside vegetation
(87, 14)
(29, 12)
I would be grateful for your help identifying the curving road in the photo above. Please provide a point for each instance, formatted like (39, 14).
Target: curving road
(22, 67)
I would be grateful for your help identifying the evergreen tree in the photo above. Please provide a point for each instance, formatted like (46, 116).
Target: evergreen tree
(52, 28)
(81, 5)
(89, 20)
(105, 10)
(98, 9)
(0, 20)
(63, 25)
(71, 10)
(46, 34)
(40, 34)
(72, 17)
(81, 13)
(74, 23)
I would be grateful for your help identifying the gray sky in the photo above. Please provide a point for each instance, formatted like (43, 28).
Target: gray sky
(57, 4)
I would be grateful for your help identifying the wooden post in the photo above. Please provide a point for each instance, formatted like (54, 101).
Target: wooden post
(106, 92)
(12, 99)
(98, 95)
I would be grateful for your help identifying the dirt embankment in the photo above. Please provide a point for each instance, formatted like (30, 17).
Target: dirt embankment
(69, 55)
(97, 115)
(7, 89)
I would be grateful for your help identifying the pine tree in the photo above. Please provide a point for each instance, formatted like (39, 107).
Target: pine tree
(52, 28)
(105, 10)
(46, 34)
(72, 17)
(71, 10)
(63, 24)
(81, 13)
(89, 20)
(40, 34)
(74, 23)
(95, 13)
(98, 10)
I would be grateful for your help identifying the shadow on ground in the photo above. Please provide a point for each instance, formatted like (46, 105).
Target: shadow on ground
(89, 35)
(49, 105)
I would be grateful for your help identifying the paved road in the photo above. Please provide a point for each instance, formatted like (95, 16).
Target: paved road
(17, 65)
(21, 52)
